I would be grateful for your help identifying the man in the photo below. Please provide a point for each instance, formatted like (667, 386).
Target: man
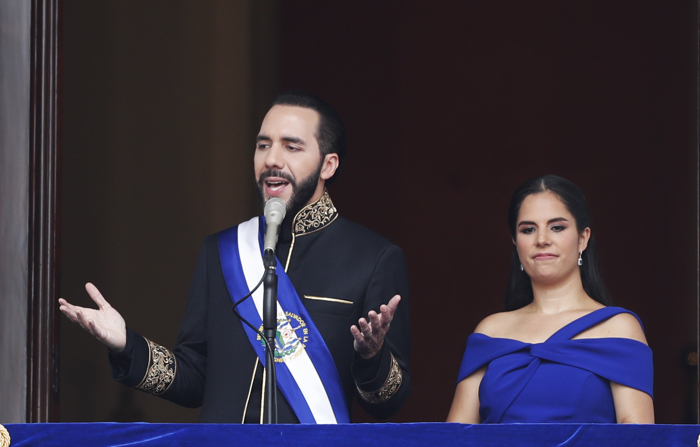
(333, 273)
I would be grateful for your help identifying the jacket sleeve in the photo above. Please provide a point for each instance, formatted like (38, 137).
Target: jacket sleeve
(384, 381)
(176, 375)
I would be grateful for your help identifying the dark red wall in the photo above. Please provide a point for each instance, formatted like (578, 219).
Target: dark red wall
(450, 107)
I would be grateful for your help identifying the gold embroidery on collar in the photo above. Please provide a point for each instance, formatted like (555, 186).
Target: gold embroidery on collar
(315, 216)
(161, 370)
(390, 387)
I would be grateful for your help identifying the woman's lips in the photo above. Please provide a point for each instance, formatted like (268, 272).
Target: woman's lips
(544, 256)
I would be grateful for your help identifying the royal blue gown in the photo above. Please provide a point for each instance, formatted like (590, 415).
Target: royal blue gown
(559, 380)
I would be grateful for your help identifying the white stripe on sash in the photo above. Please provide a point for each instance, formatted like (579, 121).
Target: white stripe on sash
(301, 367)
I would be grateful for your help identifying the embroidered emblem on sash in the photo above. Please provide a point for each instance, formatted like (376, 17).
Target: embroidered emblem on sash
(291, 338)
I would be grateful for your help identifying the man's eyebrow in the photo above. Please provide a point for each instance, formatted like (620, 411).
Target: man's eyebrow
(295, 140)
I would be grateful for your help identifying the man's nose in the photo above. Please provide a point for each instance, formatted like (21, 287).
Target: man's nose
(274, 158)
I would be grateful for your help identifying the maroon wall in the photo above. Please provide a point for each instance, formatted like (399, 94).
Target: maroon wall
(450, 108)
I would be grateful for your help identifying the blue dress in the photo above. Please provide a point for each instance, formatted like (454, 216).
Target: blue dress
(559, 380)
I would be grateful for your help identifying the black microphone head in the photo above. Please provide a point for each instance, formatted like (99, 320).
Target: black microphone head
(275, 210)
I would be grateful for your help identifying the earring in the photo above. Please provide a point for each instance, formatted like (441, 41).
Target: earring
(521, 267)
(580, 261)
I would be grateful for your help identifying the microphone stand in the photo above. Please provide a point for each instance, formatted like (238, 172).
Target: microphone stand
(270, 332)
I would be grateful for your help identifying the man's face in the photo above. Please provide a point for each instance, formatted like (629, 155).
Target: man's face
(288, 162)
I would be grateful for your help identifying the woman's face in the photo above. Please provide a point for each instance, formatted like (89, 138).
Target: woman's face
(547, 240)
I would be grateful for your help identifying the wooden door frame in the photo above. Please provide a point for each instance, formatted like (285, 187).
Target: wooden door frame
(44, 226)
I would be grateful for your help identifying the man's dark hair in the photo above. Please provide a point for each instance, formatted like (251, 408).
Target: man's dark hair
(331, 130)
(519, 289)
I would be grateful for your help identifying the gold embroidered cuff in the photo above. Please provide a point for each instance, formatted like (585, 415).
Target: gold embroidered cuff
(161, 370)
(390, 387)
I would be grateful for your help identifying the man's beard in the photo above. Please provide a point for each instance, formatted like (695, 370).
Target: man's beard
(302, 193)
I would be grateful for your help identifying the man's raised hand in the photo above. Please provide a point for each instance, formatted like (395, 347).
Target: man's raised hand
(104, 323)
(369, 337)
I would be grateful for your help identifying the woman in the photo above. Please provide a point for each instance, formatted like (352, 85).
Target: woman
(558, 354)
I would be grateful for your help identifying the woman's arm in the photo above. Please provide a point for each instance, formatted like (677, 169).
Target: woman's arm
(465, 405)
(632, 406)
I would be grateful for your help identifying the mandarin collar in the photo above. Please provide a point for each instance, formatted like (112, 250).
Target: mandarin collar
(313, 217)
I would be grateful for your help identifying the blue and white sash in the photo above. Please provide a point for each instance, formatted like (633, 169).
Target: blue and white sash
(306, 373)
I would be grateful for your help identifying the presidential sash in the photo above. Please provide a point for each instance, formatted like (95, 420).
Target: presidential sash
(306, 373)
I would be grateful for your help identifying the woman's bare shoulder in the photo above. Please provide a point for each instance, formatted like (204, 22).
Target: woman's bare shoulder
(496, 324)
(622, 325)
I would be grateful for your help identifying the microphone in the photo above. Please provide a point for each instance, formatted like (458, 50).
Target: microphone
(275, 209)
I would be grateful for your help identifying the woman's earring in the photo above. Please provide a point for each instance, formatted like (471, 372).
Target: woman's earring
(580, 261)
(521, 267)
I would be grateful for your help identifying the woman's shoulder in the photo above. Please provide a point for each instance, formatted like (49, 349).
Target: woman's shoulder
(496, 324)
(622, 325)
